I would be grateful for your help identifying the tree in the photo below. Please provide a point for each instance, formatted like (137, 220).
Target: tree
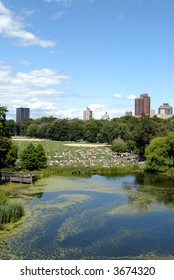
(75, 130)
(10, 128)
(8, 150)
(59, 130)
(3, 111)
(160, 153)
(118, 146)
(143, 133)
(41, 157)
(33, 158)
(170, 146)
(5, 145)
(91, 130)
(156, 155)
(42, 130)
(11, 156)
(23, 126)
(29, 158)
(32, 130)
(106, 133)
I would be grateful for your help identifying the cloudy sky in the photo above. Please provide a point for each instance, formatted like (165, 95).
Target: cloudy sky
(60, 56)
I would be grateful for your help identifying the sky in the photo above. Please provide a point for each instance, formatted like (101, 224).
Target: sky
(59, 56)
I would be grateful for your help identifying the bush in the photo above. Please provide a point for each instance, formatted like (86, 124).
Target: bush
(118, 146)
(33, 158)
(41, 157)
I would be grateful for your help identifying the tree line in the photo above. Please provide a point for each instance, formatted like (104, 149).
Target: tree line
(135, 132)
(127, 133)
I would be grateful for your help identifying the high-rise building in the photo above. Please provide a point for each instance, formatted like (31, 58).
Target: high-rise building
(128, 113)
(165, 111)
(87, 114)
(152, 112)
(22, 114)
(142, 105)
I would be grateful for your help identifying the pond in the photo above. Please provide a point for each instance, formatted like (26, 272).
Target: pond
(97, 217)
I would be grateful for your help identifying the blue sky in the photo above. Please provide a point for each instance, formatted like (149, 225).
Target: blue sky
(60, 56)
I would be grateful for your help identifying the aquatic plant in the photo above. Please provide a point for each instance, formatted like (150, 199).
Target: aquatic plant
(9, 212)
(3, 198)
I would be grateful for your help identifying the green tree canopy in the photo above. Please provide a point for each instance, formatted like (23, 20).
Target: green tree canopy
(3, 111)
(29, 158)
(11, 156)
(160, 153)
(32, 130)
(118, 146)
(143, 133)
(8, 150)
(156, 155)
(33, 158)
(41, 157)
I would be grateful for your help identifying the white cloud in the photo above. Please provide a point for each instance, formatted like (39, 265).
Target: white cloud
(96, 106)
(13, 27)
(37, 89)
(131, 96)
(39, 78)
(118, 95)
(98, 110)
(36, 79)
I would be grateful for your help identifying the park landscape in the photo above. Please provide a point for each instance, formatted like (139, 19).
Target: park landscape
(70, 157)
(91, 200)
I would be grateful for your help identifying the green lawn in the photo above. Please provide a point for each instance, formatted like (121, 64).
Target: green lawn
(97, 159)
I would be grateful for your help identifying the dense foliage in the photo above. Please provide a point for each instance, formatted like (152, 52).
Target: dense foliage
(119, 146)
(160, 153)
(33, 158)
(8, 150)
(135, 132)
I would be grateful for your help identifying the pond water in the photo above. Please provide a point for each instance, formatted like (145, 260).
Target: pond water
(97, 217)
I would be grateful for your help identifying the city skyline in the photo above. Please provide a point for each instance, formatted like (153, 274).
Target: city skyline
(58, 56)
(164, 111)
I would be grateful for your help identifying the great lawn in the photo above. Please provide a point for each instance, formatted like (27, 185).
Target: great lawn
(80, 158)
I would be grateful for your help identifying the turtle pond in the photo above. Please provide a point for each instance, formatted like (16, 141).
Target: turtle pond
(96, 217)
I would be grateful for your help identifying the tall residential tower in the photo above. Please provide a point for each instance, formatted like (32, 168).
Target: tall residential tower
(87, 114)
(142, 105)
(22, 114)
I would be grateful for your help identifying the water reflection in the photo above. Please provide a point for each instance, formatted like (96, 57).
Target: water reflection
(159, 188)
(99, 217)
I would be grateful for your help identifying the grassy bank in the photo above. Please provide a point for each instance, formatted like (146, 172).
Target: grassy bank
(78, 171)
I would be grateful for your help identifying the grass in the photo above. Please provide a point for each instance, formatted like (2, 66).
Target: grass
(78, 158)
(9, 212)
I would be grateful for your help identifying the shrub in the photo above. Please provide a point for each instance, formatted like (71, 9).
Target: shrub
(118, 146)
(33, 158)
